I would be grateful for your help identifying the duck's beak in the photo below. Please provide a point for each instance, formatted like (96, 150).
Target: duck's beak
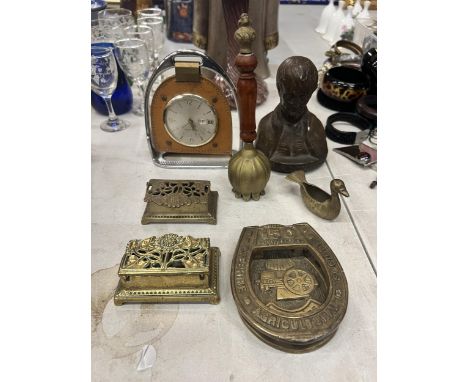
(344, 192)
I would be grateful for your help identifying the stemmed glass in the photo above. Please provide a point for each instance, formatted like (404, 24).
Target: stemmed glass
(149, 12)
(134, 60)
(113, 21)
(104, 76)
(145, 33)
(156, 23)
(98, 33)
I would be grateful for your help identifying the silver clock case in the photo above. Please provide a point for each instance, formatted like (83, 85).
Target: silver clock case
(180, 160)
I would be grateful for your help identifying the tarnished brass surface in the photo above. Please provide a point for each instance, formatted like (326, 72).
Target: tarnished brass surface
(245, 34)
(249, 171)
(288, 285)
(187, 71)
(317, 201)
(170, 268)
(179, 201)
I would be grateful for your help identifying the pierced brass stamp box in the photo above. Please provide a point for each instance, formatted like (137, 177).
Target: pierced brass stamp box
(289, 287)
(170, 268)
(179, 201)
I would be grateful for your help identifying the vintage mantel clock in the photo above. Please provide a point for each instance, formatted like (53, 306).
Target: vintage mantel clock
(188, 118)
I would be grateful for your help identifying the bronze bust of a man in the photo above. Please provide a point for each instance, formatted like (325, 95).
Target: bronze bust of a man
(291, 136)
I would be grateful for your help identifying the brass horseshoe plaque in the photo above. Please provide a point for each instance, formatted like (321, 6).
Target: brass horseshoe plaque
(289, 287)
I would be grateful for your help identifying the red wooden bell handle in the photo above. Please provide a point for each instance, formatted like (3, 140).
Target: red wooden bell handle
(246, 62)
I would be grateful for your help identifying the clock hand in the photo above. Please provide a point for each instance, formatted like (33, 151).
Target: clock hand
(192, 124)
(187, 124)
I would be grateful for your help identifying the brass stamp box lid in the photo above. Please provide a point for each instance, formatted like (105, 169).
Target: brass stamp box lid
(167, 254)
(170, 268)
(288, 285)
(179, 201)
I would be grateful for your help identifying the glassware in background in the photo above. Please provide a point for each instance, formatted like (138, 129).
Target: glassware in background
(98, 32)
(114, 21)
(133, 58)
(122, 98)
(114, 13)
(96, 6)
(104, 77)
(145, 33)
(363, 29)
(157, 25)
(104, 31)
(149, 12)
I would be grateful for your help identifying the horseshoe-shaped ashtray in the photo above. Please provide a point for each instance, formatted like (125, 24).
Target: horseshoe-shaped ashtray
(289, 287)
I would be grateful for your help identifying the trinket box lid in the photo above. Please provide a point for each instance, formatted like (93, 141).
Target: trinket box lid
(169, 253)
(179, 201)
(170, 268)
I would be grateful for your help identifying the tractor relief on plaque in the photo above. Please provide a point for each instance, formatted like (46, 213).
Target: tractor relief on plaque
(288, 281)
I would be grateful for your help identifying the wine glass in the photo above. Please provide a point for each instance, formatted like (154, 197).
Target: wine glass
(103, 82)
(114, 21)
(98, 33)
(145, 33)
(149, 12)
(156, 23)
(134, 60)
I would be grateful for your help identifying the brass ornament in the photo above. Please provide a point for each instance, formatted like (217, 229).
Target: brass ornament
(249, 171)
(317, 201)
(288, 285)
(245, 34)
(170, 268)
(179, 201)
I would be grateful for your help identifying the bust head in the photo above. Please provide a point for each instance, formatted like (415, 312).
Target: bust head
(296, 80)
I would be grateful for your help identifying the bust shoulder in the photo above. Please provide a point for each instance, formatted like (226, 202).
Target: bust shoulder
(266, 134)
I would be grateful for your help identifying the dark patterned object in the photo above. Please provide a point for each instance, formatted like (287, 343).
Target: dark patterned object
(341, 87)
(180, 20)
(369, 67)
(344, 84)
(290, 136)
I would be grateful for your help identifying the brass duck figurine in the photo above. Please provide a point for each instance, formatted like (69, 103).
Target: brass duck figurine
(318, 201)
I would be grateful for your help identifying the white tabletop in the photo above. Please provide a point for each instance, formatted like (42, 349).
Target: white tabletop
(210, 342)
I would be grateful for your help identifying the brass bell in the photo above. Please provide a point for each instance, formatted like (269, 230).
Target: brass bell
(249, 169)
(249, 172)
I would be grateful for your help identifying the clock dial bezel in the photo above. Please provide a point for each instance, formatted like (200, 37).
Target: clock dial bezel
(179, 98)
(162, 142)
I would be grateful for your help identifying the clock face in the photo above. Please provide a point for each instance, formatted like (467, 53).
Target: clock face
(190, 120)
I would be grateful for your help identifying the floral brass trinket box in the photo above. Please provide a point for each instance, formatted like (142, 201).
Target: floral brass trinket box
(179, 201)
(170, 268)
(289, 287)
